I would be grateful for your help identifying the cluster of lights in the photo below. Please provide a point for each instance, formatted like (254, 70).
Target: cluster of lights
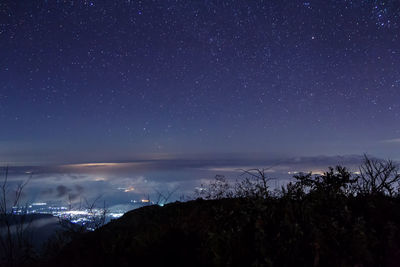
(78, 216)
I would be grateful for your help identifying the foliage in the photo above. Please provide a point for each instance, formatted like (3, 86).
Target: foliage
(15, 233)
(254, 185)
(333, 183)
(378, 177)
(217, 189)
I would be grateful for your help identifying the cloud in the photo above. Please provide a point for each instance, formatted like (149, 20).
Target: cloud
(62, 191)
(72, 193)
(79, 189)
(47, 191)
(179, 169)
(121, 182)
(392, 141)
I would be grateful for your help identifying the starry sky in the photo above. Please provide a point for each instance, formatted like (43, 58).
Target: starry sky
(115, 80)
(125, 80)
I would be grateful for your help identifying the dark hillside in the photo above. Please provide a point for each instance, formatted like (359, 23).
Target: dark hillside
(244, 232)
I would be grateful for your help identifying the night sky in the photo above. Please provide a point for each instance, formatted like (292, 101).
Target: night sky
(123, 81)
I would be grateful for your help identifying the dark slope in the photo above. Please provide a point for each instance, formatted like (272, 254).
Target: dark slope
(186, 234)
(244, 232)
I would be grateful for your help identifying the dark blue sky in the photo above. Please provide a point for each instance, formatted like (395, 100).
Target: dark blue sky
(105, 81)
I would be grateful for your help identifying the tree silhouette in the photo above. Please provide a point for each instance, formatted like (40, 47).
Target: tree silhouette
(15, 242)
(378, 177)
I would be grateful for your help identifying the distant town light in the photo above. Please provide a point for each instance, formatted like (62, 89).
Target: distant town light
(39, 204)
(129, 189)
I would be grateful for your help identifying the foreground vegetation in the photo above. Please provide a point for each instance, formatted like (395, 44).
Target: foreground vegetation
(334, 219)
(338, 218)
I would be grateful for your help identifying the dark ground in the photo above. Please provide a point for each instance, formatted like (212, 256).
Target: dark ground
(348, 231)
